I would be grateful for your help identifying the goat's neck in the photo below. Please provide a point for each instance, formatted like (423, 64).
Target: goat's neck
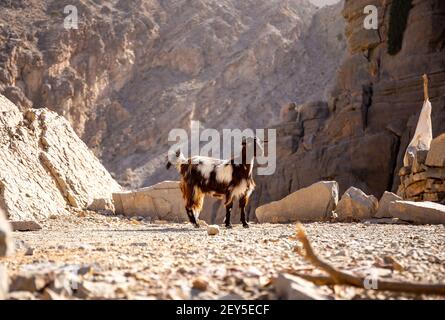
(242, 159)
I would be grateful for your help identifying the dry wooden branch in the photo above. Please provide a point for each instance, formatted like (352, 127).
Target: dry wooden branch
(318, 280)
(425, 87)
(343, 278)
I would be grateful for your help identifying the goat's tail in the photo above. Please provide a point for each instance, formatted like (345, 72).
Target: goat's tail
(175, 159)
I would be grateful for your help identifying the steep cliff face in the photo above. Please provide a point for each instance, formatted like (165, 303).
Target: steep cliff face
(136, 69)
(364, 129)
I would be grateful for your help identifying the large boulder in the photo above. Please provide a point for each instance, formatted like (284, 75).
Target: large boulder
(6, 243)
(163, 201)
(436, 155)
(356, 205)
(385, 201)
(45, 167)
(418, 212)
(313, 203)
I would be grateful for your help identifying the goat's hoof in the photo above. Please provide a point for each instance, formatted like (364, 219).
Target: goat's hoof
(229, 226)
(245, 225)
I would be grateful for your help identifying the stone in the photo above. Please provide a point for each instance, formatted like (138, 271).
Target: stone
(163, 202)
(356, 205)
(418, 212)
(419, 161)
(416, 188)
(289, 287)
(95, 290)
(404, 171)
(435, 173)
(21, 295)
(212, 230)
(45, 167)
(101, 205)
(28, 225)
(4, 282)
(383, 207)
(6, 242)
(200, 283)
(29, 282)
(415, 177)
(29, 251)
(430, 196)
(436, 155)
(314, 203)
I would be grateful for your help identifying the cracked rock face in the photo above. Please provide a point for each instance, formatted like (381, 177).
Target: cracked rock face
(44, 167)
(373, 110)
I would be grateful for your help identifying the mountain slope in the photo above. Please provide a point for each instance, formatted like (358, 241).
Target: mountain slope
(134, 71)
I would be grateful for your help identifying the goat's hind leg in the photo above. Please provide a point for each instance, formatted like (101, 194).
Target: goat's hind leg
(242, 205)
(192, 218)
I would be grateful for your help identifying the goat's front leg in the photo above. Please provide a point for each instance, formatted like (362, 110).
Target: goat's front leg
(229, 206)
(242, 205)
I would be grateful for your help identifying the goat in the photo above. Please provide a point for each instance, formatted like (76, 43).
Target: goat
(224, 179)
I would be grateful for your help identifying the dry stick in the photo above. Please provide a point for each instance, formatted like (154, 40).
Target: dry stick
(343, 278)
(318, 280)
(425, 87)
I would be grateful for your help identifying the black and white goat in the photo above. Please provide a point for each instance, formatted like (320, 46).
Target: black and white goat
(224, 179)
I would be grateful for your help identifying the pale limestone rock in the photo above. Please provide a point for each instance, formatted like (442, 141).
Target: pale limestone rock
(383, 208)
(25, 225)
(436, 154)
(44, 166)
(164, 201)
(313, 203)
(356, 205)
(6, 243)
(102, 205)
(289, 287)
(418, 212)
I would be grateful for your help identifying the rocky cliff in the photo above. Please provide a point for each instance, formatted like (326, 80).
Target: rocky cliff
(136, 69)
(45, 169)
(359, 136)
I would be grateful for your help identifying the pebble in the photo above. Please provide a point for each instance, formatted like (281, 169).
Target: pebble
(213, 230)
(200, 283)
(29, 251)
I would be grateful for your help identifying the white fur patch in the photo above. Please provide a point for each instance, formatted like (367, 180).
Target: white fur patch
(240, 189)
(206, 165)
(223, 173)
(206, 169)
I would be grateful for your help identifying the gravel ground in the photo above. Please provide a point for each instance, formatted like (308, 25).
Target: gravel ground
(91, 256)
